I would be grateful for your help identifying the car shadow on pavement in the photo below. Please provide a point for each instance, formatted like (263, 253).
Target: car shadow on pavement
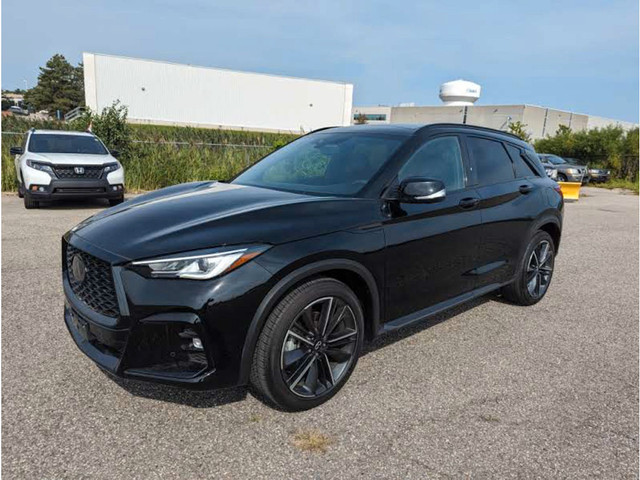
(190, 398)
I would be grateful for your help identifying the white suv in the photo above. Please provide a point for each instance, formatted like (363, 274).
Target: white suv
(54, 164)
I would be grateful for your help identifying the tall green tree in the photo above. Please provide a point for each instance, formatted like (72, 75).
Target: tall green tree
(60, 87)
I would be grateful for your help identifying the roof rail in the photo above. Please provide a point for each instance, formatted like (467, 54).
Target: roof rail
(475, 127)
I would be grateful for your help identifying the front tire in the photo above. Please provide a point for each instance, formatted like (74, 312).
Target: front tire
(309, 345)
(562, 177)
(534, 273)
(29, 202)
(115, 201)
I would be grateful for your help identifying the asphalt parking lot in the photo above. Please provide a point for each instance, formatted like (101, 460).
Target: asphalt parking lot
(488, 390)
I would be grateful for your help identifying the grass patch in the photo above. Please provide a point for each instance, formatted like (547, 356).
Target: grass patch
(618, 183)
(311, 442)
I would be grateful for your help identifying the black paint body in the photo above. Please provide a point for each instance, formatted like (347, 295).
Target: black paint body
(405, 261)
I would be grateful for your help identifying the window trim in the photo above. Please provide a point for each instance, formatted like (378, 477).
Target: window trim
(533, 171)
(472, 160)
(419, 145)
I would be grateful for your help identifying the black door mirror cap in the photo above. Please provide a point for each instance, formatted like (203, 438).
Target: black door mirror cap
(422, 190)
(114, 153)
(16, 150)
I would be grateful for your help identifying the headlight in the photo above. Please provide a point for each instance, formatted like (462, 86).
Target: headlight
(111, 167)
(43, 167)
(199, 267)
(594, 171)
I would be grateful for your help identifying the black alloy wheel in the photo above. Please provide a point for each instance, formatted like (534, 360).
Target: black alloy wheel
(309, 345)
(535, 272)
(319, 347)
(539, 269)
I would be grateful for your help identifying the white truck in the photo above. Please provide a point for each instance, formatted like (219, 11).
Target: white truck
(55, 164)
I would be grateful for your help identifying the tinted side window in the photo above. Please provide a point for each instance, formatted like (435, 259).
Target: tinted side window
(523, 169)
(438, 159)
(493, 165)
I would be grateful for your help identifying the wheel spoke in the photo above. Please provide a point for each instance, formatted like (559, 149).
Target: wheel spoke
(544, 253)
(530, 274)
(531, 285)
(311, 382)
(538, 284)
(307, 320)
(325, 315)
(337, 355)
(293, 356)
(299, 337)
(534, 259)
(341, 337)
(300, 372)
(336, 320)
(327, 366)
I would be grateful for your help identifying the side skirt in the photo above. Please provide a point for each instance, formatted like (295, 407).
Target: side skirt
(425, 313)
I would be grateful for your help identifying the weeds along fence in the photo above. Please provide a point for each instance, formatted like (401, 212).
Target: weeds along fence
(161, 156)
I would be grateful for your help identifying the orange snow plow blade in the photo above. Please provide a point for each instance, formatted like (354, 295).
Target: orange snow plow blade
(570, 190)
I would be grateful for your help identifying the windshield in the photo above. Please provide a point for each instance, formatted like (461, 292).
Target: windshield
(61, 143)
(554, 159)
(323, 163)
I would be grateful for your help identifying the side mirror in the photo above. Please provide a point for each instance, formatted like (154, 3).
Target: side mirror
(114, 153)
(16, 150)
(422, 190)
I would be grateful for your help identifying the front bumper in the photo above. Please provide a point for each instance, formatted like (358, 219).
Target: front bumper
(600, 177)
(144, 341)
(62, 189)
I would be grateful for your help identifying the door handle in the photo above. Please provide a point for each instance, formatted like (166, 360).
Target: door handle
(525, 189)
(469, 202)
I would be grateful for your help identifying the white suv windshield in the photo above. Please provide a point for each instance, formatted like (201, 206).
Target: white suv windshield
(60, 143)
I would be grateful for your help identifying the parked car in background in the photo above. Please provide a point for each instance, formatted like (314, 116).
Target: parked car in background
(551, 170)
(54, 164)
(277, 278)
(599, 175)
(567, 171)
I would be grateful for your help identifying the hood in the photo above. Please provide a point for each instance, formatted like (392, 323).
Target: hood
(202, 215)
(71, 158)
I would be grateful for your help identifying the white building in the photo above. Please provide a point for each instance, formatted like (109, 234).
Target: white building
(175, 94)
(459, 97)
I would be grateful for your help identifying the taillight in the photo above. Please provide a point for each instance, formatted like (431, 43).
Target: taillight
(557, 188)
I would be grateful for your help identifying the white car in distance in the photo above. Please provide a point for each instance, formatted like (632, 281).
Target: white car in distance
(55, 164)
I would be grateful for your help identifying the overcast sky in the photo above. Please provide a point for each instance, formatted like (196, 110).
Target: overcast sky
(578, 55)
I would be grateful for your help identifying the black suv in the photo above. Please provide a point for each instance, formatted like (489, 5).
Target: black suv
(277, 278)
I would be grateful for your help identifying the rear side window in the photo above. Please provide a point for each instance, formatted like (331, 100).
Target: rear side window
(493, 164)
(438, 159)
(523, 169)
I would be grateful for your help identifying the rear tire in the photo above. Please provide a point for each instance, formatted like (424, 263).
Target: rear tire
(29, 202)
(309, 345)
(534, 272)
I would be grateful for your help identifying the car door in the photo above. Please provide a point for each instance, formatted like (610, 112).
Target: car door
(431, 247)
(508, 205)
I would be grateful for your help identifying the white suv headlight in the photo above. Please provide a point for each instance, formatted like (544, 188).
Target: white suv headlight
(43, 167)
(111, 167)
(200, 267)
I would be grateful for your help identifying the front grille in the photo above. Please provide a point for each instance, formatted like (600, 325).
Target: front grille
(96, 289)
(78, 190)
(68, 171)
